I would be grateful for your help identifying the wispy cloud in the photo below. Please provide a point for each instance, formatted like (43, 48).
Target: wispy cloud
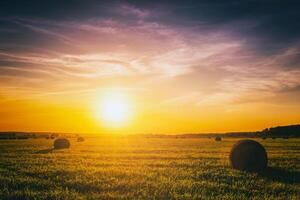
(132, 10)
(42, 30)
(108, 47)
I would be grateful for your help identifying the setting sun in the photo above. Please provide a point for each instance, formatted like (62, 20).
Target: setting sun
(114, 110)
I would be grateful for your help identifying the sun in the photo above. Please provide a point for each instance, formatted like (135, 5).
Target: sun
(114, 110)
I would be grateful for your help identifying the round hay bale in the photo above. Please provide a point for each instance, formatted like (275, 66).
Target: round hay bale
(80, 139)
(61, 143)
(248, 155)
(218, 138)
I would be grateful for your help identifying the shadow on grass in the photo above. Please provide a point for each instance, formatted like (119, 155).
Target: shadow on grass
(44, 151)
(281, 175)
(50, 150)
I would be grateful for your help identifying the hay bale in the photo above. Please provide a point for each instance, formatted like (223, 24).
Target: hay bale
(80, 139)
(248, 155)
(218, 138)
(61, 143)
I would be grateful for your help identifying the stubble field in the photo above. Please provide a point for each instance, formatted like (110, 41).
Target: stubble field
(144, 168)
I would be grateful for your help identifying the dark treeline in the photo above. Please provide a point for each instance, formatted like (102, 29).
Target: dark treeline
(205, 135)
(274, 132)
(25, 135)
(282, 131)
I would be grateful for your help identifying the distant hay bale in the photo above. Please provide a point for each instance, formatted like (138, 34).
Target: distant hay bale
(61, 143)
(248, 155)
(218, 138)
(80, 139)
(273, 138)
(264, 138)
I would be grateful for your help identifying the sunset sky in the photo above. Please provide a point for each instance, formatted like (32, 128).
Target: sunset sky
(177, 66)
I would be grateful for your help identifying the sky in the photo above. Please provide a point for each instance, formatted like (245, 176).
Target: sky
(181, 66)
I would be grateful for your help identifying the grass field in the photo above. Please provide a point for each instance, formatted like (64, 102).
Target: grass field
(143, 168)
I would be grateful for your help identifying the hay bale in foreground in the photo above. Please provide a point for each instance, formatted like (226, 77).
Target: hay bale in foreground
(61, 143)
(248, 155)
(218, 138)
(80, 139)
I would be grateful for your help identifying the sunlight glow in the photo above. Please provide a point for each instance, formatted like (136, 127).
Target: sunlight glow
(114, 110)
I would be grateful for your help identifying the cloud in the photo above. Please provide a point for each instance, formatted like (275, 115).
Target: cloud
(132, 10)
(215, 54)
(46, 31)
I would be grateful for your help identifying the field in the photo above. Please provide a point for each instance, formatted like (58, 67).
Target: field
(144, 168)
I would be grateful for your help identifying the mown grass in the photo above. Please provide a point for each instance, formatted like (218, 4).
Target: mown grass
(143, 168)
